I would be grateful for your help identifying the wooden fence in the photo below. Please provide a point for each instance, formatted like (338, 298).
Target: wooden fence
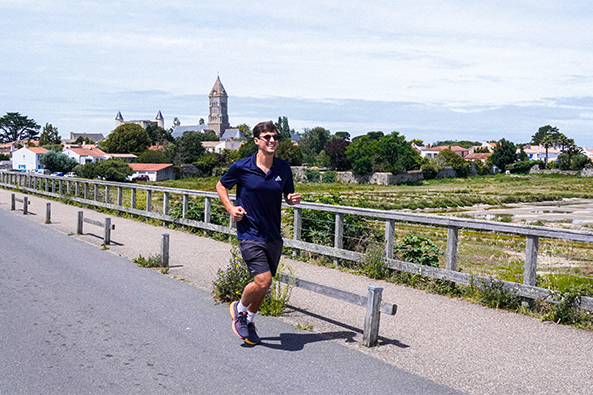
(89, 192)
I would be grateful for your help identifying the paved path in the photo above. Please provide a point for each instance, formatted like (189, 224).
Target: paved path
(452, 342)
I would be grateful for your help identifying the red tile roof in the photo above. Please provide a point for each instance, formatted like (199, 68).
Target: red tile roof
(94, 152)
(149, 166)
(38, 150)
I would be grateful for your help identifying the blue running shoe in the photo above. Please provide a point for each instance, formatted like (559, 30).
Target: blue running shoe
(252, 338)
(239, 321)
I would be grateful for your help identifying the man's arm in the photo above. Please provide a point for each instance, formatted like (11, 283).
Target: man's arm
(237, 212)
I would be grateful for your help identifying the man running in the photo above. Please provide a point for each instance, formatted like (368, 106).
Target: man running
(262, 181)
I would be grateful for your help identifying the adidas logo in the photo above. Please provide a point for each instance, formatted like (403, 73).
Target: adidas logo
(278, 178)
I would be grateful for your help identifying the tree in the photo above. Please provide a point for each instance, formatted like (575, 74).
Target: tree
(17, 127)
(363, 154)
(343, 135)
(547, 141)
(398, 154)
(335, 148)
(201, 122)
(158, 135)
(206, 163)
(110, 170)
(49, 135)
(543, 131)
(283, 129)
(449, 158)
(154, 156)
(312, 143)
(126, 138)
(289, 152)
(189, 147)
(505, 153)
(57, 161)
(176, 122)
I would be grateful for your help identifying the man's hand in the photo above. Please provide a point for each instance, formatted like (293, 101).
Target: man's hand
(293, 198)
(237, 212)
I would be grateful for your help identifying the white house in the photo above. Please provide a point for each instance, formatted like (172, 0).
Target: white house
(84, 155)
(27, 158)
(154, 171)
(218, 146)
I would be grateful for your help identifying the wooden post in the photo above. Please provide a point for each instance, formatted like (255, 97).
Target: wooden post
(107, 238)
(76, 188)
(297, 227)
(86, 190)
(164, 249)
(96, 192)
(148, 199)
(166, 197)
(338, 234)
(133, 198)
(46, 185)
(373, 315)
(185, 205)
(12, 202)
(530, 269)
(120, 196)
(60, 187)
(48, 213)
(107, 194)
(207, 209)
(80, 222)
(25, 205)
(389, 238)
(68, 186)
(452, 240)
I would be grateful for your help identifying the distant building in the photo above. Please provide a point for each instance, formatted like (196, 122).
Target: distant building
(178, 132)
(131, 158)
(27, 159)
(432, 152)
(158, 121)
(232, 134)
(94, 137)
(154, 171)
(218, 118)
(84, 155)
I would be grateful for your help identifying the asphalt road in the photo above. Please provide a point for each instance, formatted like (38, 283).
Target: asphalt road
(75, 319)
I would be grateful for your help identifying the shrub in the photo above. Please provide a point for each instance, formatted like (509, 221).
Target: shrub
(373, 264)
(420, 250)
(329, 177)
(492, 293)
(151, 261)
(430, 170)
(312, 175)
(278, 295)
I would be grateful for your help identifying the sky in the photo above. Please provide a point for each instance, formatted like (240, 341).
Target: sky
(430, 70)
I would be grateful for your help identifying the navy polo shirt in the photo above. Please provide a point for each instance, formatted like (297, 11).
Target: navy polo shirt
(260, 195)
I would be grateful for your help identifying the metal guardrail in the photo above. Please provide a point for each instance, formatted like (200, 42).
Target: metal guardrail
(79, 190)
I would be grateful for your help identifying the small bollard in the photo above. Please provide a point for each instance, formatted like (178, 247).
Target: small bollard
(80, 221)
(48, 213)
(373, 314)
(107, 238)
(164, 250)
(25, 205)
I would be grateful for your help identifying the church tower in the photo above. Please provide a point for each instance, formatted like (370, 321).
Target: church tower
(218, 118)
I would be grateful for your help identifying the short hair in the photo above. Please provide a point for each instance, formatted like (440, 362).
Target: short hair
(264, 127)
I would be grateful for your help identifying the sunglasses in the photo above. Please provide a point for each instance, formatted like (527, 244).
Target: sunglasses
(269, 137)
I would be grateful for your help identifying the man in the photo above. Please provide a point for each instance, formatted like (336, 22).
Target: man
(262, 181)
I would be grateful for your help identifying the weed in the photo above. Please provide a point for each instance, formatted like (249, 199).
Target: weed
(151, 261)
(104, 247)
(306, 327)
(165, 270)
(278, 295)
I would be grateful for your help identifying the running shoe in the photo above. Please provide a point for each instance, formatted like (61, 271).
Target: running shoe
(252, 338)
(239, 321)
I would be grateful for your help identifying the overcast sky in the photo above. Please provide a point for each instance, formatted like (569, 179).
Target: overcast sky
(432, 70)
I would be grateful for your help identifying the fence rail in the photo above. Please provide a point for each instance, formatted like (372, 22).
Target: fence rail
(79, 190)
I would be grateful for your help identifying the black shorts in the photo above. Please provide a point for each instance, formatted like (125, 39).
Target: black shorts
(261, 256)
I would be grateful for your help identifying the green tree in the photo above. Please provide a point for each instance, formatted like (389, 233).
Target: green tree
(189, 147)
(158, 135)
(283, 129)
(248, 149)
(398, 154)
(154, 156)
(289, 152)
(57, 161)
(343, 135)
(126, 138)
(201, 122)
(245, 130)
(312, 143)
(110, 170)
(49, 135)
(544, 131)
(206, 163)
(505, 153)
(363, 154)
(17, 127)
(449, 158)
(176, 122)
(547, 141)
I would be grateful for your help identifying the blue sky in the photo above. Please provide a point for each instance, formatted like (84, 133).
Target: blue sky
(432, 70)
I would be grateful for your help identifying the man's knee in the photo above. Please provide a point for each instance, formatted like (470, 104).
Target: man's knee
(263, 281)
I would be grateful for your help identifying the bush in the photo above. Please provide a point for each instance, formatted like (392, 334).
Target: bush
(312, 175)
(492, 293)
(329, 177)
(420, 250)
(278, 295)
(430, 170)
(373, 264)
(151, 261)
(520, 167)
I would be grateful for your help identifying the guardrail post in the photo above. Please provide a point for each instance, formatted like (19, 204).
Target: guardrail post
(46, 185)
(96, 192)
(389, 238)
(120, 196)
(86, 190)
(184, 205)
(53, 186)
(12, 202)
(76, 188)
(164, 249)
(148, 199)
(80, 222)
(107, 238)
(133, 198)
(452, 240)
(207, 209)
(297, 227)
(68, 186)
(107, 194)
(166, 197)
(530, 269)
(48, 213)
(60, 189)
(373, 315)
(25, 205)
(338, 234)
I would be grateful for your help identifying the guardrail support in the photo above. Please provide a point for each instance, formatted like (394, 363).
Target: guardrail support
(164, 250)
(48, 213)
(338, 234)
(107, 227)
(297, 227)
(373, 315)
(389, 238)
(79, 222)
(452, 240)
(530, 269)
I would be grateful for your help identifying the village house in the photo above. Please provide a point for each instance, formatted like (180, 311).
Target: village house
(154, 171)
(83, 155)
(27, 159)
(432, 152)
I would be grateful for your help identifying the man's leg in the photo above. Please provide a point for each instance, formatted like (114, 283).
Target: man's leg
(255, 292)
